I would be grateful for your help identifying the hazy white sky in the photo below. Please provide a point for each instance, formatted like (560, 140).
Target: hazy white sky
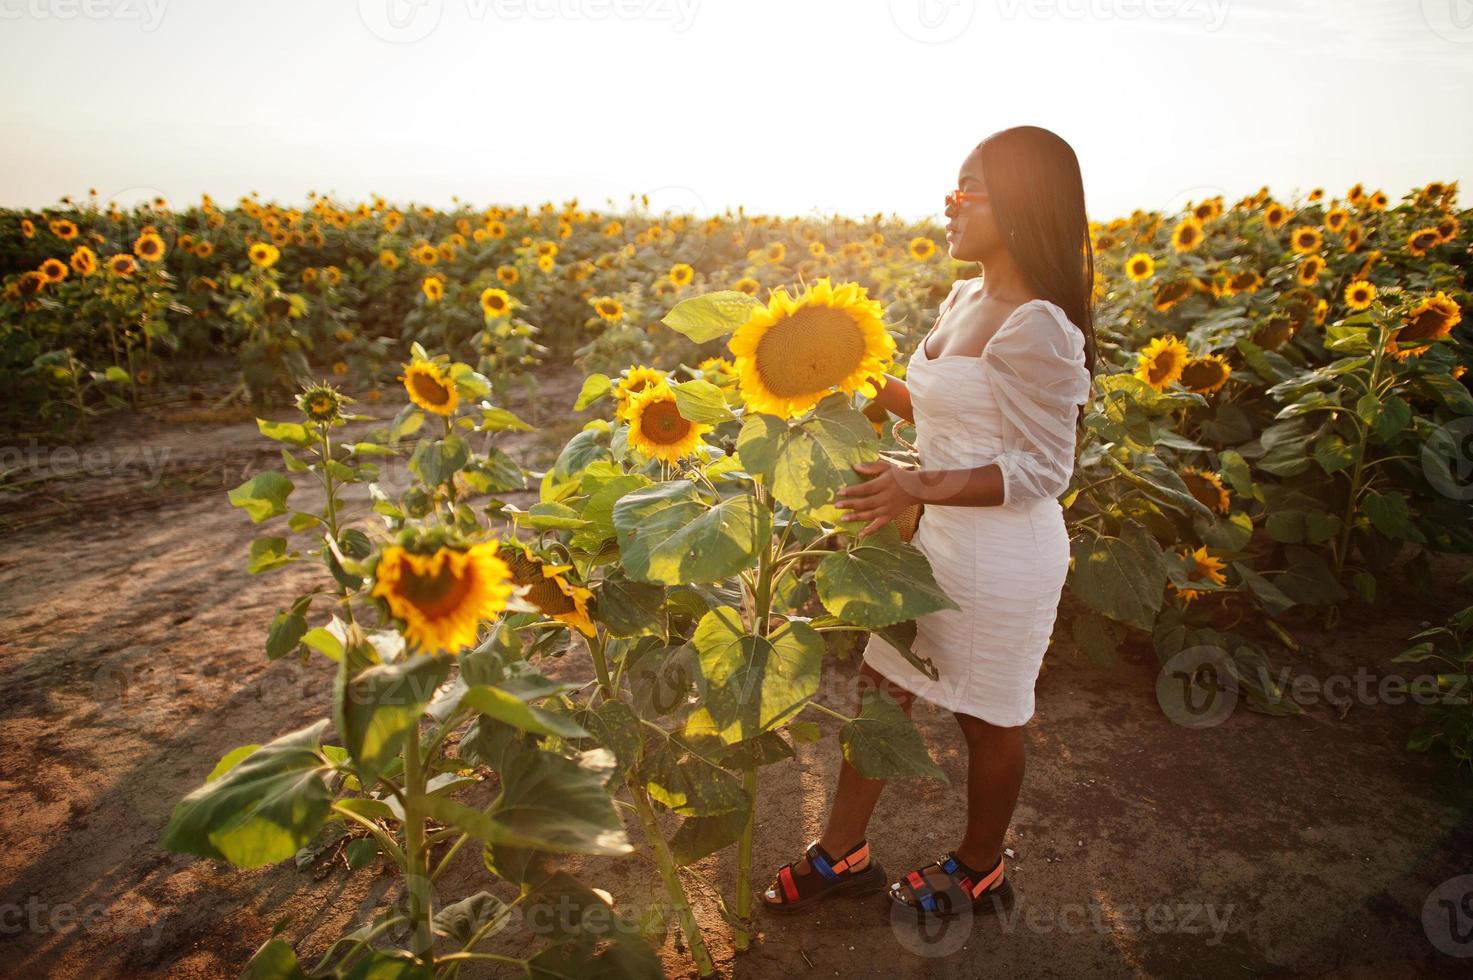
(782, 105)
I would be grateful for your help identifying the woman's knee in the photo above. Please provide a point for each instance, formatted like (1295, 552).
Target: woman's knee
(978, 731)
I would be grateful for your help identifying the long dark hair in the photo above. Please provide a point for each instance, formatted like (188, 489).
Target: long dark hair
(1038, 200)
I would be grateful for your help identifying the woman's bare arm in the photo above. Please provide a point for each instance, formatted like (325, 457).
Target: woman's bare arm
(894, 398)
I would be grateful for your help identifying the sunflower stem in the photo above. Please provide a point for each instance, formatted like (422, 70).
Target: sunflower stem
(673, 888)
(1363, 429)
(416, 873)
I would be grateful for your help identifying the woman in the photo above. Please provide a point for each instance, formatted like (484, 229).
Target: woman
(995, 390)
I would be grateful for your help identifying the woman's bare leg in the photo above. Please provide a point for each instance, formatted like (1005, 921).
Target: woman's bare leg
(994, 776)
(856, 796)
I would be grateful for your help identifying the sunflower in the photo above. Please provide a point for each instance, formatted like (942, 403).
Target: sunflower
(496, 229)
(1356, 194)
(657, 430)
(1378, 201)
(321, 403)
(1275, 216)
(309, 274)
(545, 248)
(122, 265)
(433, 287)
(717, 368)
(1421, 241)
(635, 380)
(747, 285)
(546, 262)
(1169, 294)
(1140, 267)
(1353, 236)
(681, 274)
(28, 227)
(54, 270)
(1449, 227)
(548, 587)
(508, 275)
(1205, 375)
(84, 261)
(776, 252)
(1162, 362)
(1431, 319)
(613, 229)
(149, 247)
(1306, 239)
(793, 351)
(204, 249)
(1205, 570)
(1275, 332)
(426, 254)
(1207, 488)
(1310, 269)
(443, 597)
(1243, 282)
(429, 389)
(609, 308)
(30, 283)
(921, 248)
(496, 302)
(1335, 221)
(264, 254)
(1187, 235)
(63, 229)
(817, 249)
(1359, 294)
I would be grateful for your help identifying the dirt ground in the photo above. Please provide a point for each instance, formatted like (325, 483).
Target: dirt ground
(131, 652)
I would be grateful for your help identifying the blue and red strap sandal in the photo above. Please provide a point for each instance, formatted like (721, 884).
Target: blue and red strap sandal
(961, 888)
(792, 891)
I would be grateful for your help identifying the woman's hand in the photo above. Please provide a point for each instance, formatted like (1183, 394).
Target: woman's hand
(878, 500)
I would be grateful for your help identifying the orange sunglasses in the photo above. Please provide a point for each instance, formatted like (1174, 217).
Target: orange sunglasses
(959, 197)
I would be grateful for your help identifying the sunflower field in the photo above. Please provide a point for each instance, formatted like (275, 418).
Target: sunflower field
(1279, 422)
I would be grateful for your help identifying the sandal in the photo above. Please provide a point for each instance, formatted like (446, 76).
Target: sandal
(792, 891)
(965, 887)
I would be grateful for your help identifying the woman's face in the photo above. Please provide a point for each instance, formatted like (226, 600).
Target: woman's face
(971, 229)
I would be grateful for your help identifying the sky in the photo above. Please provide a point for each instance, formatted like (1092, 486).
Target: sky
(799, 107)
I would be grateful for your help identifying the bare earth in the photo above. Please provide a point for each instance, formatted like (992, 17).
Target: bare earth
(131, 652)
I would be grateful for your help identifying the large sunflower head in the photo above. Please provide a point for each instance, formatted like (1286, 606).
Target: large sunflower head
(1310, 269)
(63, 229)
(433, 287)
(1449, 227)
(1354, 235)
(1205, 569)
(443, 596)
(1140, 267)
(264, 254)
(1275, 332)
(1359, 295)
(635, 380)
(149, 247)
(429, 388)
(122, 265)
(1306, 239)
(1431, 319)
(1207, 487)
(1336, 219)
(796, 349)
(657, 430)
(1274, 216)
(84, 261)
(1205, 375)
(1423, 240)
(1188, 234)
(1162, 362)
(55, 270)
(548, 587)
(1168, 294)
(496, 302)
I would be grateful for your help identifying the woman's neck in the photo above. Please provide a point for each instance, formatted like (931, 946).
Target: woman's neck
(1003, 282)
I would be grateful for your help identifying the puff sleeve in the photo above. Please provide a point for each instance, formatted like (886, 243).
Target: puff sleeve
(1036, 371)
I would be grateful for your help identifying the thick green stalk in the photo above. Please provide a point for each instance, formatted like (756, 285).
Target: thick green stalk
(673, 889)
(1363, 429)
(761, 612)
(416, 870)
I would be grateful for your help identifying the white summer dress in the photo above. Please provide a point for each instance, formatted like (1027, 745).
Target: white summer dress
(1014, 405)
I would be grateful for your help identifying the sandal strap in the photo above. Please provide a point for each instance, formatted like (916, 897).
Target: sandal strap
(823, 862)
(785, 878)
